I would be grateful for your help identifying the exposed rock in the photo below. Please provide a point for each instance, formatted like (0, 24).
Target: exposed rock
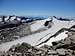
(50, 52)
(64, 47)
(39, 53)
(48, 24)
(67, 41)
(69, 50)
(72, 38)
(10, 34)
(61, 51)
(46, 47)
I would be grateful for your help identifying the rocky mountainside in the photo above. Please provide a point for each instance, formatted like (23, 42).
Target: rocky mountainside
(65, 47)
(42, 38)
(10, 34)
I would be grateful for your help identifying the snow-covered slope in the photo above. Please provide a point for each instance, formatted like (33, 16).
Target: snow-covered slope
(61, 36)
(55, 28)
(39, 25)
(39, 37)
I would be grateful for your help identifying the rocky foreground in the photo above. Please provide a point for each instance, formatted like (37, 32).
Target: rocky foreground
(64, 47)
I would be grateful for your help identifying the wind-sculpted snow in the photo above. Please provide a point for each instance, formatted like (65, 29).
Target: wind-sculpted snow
(62, 33)
(33, 39)
(58, 25)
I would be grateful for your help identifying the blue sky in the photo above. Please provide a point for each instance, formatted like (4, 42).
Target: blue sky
(38, 7)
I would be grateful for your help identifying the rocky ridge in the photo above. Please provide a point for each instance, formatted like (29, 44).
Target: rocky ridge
(64, 47)
(10, 34)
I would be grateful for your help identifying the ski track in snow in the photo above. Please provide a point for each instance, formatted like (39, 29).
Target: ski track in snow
(33, 39)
